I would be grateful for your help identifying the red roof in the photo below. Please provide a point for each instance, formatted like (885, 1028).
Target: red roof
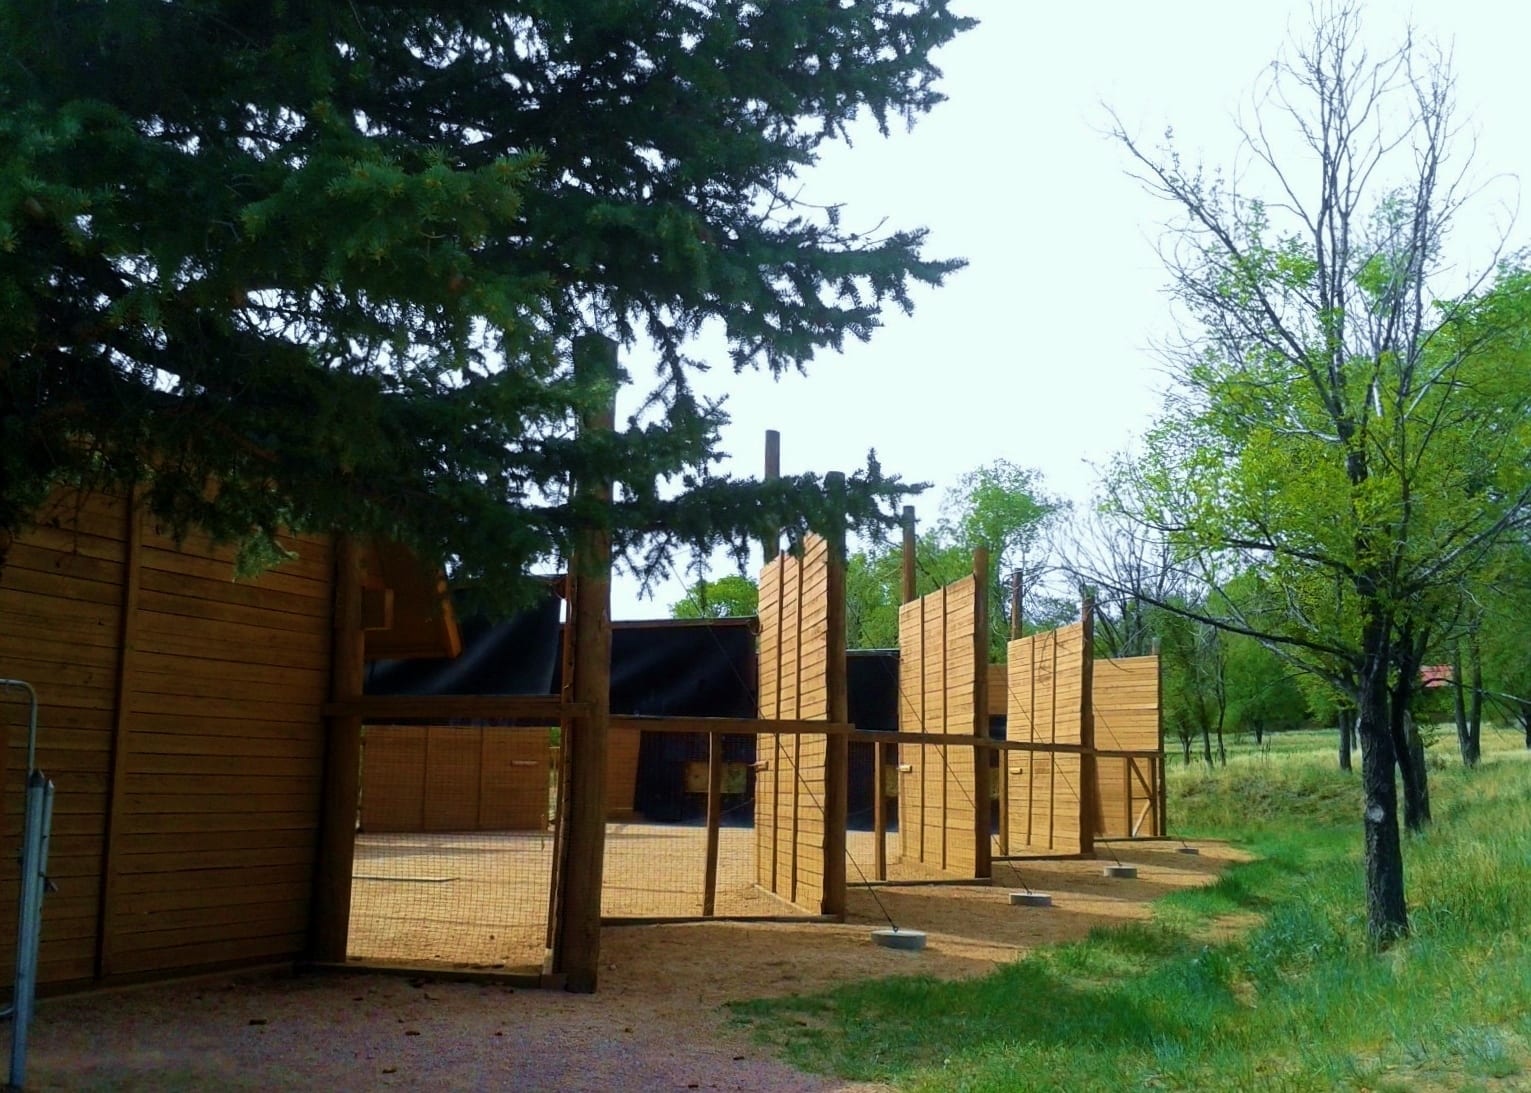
(1435, 675)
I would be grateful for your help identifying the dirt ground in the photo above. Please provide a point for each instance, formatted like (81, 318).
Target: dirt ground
(657, 1023)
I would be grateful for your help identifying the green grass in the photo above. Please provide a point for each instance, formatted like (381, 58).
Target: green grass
(1299, 1002)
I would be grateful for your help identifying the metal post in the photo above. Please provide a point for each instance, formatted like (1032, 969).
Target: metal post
(34, 878)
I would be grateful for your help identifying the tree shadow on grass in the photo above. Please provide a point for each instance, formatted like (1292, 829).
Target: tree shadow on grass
(1101, 995)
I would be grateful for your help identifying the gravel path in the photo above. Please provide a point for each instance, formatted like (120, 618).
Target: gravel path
(659, 1021)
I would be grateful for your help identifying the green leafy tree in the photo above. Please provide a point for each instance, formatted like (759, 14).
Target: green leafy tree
(337, 258)
(999, 506)
(1338, 420)
(733, 596)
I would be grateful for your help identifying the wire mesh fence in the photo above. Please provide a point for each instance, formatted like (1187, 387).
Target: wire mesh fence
(454, 847)
(454, 858)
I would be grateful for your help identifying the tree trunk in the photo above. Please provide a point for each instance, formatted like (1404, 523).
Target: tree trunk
(1387, 917)
(1475, 712)
(1459, 707)
(1259, 727)
(1185, 745)
(1206, 743)
(1346, 739)
(1525, 722)
(1411, 770)
(1408, 747)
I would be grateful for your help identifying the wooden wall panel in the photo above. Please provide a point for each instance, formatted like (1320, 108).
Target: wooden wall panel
(452, 777)
(218, 664)
(789, 789)
(621, 772)
(938, 685)
(1126, 703)
(1046, 674)
(517, 769)
(455, 778)
(61, 627)
(181, 726)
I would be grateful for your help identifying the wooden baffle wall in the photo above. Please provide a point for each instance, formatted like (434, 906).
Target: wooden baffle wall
(1084, 753)
(181, 720)
(1129, 749)
(1049, 731)
(793, 685)
(943, 800)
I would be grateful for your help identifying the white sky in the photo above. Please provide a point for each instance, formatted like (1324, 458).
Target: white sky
(1039, 351)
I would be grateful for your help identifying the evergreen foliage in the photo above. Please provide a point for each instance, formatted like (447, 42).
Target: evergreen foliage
(325, 265)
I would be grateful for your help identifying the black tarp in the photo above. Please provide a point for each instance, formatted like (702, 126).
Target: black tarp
(871, 683)
(702, 668)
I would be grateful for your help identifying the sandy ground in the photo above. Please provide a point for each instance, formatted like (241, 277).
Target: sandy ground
(657, 1023)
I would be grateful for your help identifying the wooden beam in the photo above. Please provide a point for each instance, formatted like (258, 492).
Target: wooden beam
(330, 916)
(579, 936)
(535, 710)
(122, 727)
(837, 749)
(743, 726)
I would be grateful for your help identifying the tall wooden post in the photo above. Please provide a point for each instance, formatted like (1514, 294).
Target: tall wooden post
(1016, 626)
(1089, 779)
(122, 728)
(584, 846)
(983, 831)
(1161, 789)
(330, 920)
(910, 545)
(837, 747)
(882, 753)
(771, 543)
(1015, 604)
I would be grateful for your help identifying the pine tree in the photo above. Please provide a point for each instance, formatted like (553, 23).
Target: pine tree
(335, 257)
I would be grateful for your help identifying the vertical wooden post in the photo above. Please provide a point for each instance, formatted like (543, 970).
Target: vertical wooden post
(330, 918)
(881, 753)
(771, 544)
(983, 830)
(910, 546)
(1015, 604)
(770, 550)
(560, 772)
(1161, 789)
(837, 750)
(714, 818)
(1004, 756)
(1089, 778)
(584, 849)
(122, 727)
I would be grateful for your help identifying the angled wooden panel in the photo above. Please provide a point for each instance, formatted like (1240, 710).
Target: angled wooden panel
(1044, 790)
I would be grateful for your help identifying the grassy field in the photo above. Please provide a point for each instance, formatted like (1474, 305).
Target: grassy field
(1263, 981)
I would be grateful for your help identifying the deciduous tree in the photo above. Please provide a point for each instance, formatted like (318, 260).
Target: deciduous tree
(1341, 419)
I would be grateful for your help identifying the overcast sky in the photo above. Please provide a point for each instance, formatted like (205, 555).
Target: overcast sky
(1040, 351)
